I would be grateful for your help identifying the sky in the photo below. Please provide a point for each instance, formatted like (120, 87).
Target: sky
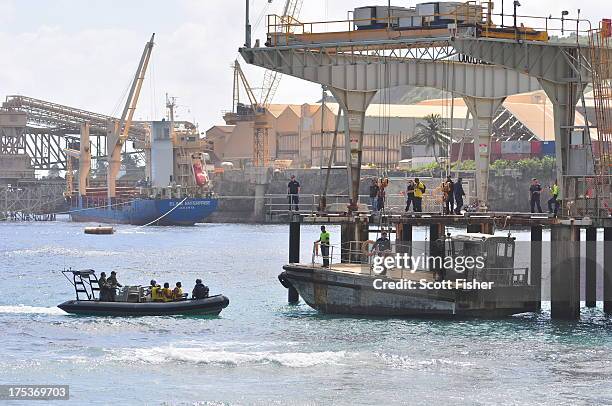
(83, 53)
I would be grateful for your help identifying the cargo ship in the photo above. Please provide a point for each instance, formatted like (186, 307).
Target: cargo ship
(175, 188)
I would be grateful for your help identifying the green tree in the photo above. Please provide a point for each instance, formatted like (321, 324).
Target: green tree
(433, 133)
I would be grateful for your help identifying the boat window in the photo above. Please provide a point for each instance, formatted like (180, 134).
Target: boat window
(501, 249)
(509, 250)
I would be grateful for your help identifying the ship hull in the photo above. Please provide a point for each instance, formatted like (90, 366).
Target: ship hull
(147, 211)
(340, 293)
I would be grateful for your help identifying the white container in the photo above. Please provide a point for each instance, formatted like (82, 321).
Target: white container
(426, 9)
(363, 16)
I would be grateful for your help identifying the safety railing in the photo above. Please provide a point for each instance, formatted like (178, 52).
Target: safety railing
(279, 204)
(472, 18)
(363, 257)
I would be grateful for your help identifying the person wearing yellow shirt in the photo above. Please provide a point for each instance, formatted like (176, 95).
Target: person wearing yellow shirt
(166, 293)
(155, 292)
(419, 191)
(554, 200)
(177, 293)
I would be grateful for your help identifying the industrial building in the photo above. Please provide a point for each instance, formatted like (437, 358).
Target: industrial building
(524, 122)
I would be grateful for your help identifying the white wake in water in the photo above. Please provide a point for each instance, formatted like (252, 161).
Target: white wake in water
(163, 355)
(22, 309)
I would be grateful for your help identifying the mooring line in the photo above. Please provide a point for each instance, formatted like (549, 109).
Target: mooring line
(165, 214)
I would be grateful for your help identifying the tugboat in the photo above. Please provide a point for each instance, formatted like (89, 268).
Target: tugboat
(493, 288)
(132, 300)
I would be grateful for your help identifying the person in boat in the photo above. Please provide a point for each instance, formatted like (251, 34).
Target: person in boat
(177, 293)
(324, 242)
(534, 195)
(382, 244)
(200, 291)
(154, 290)
(112, 286)
(103, 284)
(166, 293)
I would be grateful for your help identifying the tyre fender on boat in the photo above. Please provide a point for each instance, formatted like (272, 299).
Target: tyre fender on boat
(365, 247)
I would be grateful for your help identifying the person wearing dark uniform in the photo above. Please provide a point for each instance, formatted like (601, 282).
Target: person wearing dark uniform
(324, 242)
(200, 291)
(374, 195)
(112, 286)
(382, 244)
(293, 193)
(534, 195)
(448, 188)
(554, 200)
(409, 194)
(103, 284)
(459, 193)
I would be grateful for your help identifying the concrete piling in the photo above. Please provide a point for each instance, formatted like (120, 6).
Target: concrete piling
(294, 256)
(590, 280)
(535, 278)
(403, 238)
(607, 280)
(565, 272)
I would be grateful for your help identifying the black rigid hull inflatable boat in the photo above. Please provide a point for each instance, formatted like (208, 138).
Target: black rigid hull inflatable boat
(132, 300)
(209, 306)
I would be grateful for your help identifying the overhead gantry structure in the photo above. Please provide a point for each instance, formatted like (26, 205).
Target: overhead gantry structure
(354, 64)
(43, 130)
(355, 79)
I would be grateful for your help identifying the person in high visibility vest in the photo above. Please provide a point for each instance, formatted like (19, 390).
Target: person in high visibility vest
(324, 242)
(419, 190)
(554, 200)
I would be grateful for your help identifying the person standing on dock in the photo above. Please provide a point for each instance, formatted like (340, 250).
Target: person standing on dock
(459, 193)
(293, 193)
(554, 200)
(448, 188)
(419, 191)
(374, 195)
(534, 195)
(409, 195)
(323, 241)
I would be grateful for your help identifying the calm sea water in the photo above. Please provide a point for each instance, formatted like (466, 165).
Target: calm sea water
(261, 350)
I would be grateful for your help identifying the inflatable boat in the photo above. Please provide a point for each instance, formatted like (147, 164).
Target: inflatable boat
(132, 300)
(209, 306)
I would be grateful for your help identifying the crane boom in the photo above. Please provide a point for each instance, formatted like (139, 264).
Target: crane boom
(130, 105)
(118, 130)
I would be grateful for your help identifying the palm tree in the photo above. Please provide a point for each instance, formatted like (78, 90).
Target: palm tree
(433, 133)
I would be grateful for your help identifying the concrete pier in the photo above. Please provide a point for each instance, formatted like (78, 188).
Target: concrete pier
(351, 236)
(403, 238)
(607, 280)
(590, 281)
(565, 272)
(535, 265)
(294, 256)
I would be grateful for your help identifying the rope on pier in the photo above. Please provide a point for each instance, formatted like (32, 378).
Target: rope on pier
(166, 213)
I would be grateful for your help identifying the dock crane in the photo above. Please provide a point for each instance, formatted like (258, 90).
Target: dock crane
(118, 130)
(256, 111)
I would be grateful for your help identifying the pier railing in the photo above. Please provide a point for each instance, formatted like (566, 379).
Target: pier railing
(277, 205)
(359, 257)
